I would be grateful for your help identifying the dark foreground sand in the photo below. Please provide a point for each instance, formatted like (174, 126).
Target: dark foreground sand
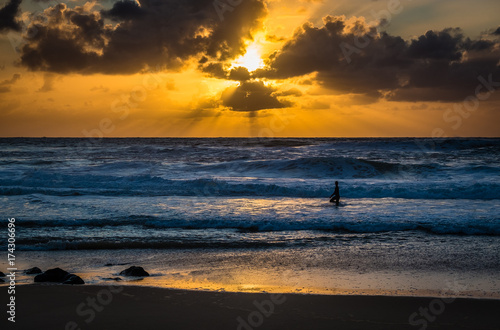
(71, 307)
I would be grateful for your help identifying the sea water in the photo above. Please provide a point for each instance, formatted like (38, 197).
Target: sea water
(417, 216)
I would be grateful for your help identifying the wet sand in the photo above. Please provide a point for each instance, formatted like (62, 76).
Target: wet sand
(130, 307)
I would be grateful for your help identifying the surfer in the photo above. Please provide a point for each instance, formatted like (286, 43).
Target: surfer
(335, 197)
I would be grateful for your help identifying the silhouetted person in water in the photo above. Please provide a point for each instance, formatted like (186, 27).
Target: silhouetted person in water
(335, 197)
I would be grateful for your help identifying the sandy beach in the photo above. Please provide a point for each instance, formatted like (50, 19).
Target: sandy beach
(129, 307)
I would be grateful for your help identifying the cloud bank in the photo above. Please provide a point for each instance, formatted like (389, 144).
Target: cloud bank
(346, 56)
(351, 57)
(147, 34)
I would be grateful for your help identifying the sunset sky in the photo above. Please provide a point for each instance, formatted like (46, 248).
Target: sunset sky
(238, 68)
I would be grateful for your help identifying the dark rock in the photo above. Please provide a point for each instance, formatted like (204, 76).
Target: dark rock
(34, 270)
(56, 275)
(2, 274)
(1, 281)
(73, 279)
(134, 271)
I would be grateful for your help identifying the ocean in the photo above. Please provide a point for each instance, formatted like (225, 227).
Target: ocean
(416, 216)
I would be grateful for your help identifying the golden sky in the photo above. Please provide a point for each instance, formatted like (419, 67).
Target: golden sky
(238, 68)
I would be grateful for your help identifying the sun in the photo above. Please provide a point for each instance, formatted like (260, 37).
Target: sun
(251, 60)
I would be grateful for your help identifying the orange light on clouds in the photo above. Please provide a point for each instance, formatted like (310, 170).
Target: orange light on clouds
(187, 100)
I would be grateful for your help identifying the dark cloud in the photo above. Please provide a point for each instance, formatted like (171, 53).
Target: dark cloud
(350, 57)
(65, 40)
(6, 84)
(215, 70)
(240, 73)
(443, 45)
(124, 10)
(318, 50)
(150, 35)
(252, 96)
(478, 45)
(223, 71)
(8, 15)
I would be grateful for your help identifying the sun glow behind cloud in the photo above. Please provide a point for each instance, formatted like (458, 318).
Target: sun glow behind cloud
(251, 60)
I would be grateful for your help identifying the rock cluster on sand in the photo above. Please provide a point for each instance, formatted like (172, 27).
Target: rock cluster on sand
(2, 274)
(57, 275)
(134, 271)
(32, 271)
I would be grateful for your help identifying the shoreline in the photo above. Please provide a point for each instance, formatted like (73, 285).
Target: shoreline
(311, 292)
(122, 306)
(327, 271)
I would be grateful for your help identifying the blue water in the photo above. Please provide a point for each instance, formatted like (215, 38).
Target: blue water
(160, 185)
(417, 204)
(368, 168)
